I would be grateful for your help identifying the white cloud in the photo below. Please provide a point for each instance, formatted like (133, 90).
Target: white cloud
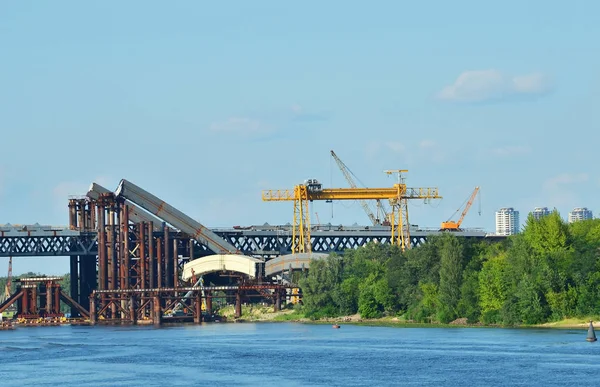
(557, 181)
(396, 146)
(511, 150)
(484, 85)
(427, 144)
(239, 125)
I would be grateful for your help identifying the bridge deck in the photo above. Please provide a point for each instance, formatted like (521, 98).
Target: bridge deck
(268, 241)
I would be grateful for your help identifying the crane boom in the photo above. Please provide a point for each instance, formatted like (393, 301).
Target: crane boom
(346, 171)
(454, 226)
(8, 287)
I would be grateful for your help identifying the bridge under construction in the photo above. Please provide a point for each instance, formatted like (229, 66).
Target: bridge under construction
(134, 258)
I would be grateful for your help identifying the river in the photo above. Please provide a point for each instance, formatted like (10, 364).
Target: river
(292, 354)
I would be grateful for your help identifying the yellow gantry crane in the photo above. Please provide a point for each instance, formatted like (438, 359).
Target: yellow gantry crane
(397, 195)
(450, 225)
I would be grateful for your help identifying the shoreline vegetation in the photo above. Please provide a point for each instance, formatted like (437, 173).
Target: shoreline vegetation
(257, 314)
(547, 276)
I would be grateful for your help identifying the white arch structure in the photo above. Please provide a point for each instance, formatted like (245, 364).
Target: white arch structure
(298, 261)
(221, 262)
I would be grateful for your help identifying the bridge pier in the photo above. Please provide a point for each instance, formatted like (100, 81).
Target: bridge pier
(278, 300)
(209, 308)
(156, 311)
(238, 304)
(198, 309)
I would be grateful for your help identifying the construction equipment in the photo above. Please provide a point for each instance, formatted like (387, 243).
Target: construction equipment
(8, 286)
(347, 174)
(397, 195)
(450, 225)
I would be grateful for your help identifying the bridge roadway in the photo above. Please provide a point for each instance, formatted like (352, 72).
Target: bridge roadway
(265, 241)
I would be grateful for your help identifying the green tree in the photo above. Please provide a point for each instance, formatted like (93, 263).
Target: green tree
(451, 271)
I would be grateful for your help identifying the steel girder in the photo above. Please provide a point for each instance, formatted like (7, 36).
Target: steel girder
(48, 245)
(258, 243)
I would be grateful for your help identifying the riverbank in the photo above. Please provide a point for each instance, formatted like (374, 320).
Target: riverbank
(266, 314)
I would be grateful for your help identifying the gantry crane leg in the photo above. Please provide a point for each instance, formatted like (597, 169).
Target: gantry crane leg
(301, 227)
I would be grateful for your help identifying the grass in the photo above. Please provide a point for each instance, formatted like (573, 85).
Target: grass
(574, 322)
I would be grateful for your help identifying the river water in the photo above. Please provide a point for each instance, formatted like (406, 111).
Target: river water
(291, 354)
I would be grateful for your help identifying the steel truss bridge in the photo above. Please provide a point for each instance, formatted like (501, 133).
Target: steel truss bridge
(264, 241)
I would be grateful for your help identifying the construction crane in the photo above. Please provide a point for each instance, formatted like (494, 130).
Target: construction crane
(397, 195)
(450, 225)
(347, 174)
(7, 287)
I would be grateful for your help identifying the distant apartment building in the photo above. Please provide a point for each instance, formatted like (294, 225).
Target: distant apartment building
(507, 221)
(580, 213)
(540, 212)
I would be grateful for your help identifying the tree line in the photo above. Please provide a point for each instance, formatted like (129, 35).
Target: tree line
(550, 271)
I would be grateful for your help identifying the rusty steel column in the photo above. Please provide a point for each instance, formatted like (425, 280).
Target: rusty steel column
(175, 264)
(48, 297)
(167, 258)
(57, 298)
(25, 302)
(132, 311)
(126, 261)
(142, 247)
(34, 304)
(80, 215)
(159, 268)
(72, 214)
(101, 249)
(92, 211)
(209, 302)
(151, 260)
(111, 248)
(278, 300)
(93, 314)
(198, 314)
(156, 312)
(238, 304)
(73, 259)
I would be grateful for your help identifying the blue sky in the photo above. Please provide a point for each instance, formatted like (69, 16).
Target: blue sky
(205, 105)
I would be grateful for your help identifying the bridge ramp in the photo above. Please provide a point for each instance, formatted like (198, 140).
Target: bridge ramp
(136, 214)
(173, 216)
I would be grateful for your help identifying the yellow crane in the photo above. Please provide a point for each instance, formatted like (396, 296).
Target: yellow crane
(450, 225)
(347, 174)
(397, 195)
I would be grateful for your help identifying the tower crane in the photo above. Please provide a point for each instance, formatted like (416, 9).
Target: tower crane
(347, 174)
(450, 225)
(397, 195)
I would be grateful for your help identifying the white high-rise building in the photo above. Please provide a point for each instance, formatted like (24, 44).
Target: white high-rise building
(507, 221)
(580, 213)
(539, 212)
